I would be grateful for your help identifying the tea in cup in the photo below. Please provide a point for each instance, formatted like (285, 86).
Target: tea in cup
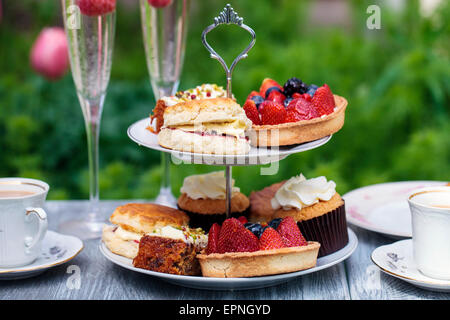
(430, 216)
(23, 222)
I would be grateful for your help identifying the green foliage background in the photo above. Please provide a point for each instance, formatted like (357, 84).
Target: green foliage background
(397, 82)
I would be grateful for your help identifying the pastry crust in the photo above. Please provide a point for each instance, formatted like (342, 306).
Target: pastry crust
(239, 203)
(259, 263)
(261, 207)
(302, 131)
(145, 217)
(203, 111)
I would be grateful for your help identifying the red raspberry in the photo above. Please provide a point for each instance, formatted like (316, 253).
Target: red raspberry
(96, 7)
(159, 3)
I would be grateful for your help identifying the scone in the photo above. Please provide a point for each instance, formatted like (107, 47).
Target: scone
(156, 237)
(204, 91)
(203, 199)
(314, 203)
(207, 126)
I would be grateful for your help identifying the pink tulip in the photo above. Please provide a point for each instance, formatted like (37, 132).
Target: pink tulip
(49, 54)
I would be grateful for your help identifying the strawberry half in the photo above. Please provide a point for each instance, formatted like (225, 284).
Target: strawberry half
(290, 233)
(269, 84)
(96, 7)
(270, 239)
(234, 237)
(301, 109)
(276, 96)
(323, 99)
(272, 112)
(213, 239)
(251, 111)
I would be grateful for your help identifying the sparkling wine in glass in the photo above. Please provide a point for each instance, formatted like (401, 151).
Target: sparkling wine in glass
(90, 36)
(164, 30)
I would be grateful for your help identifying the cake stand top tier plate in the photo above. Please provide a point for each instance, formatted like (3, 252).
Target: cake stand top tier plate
(139, 133)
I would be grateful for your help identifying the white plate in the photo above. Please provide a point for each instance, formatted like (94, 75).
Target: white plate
(396, 259)
(383, 207)
(138, 133)
(237, 283)
(56, 249)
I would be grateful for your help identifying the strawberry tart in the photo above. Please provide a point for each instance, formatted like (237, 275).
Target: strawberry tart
(293, 114)
(242, 249)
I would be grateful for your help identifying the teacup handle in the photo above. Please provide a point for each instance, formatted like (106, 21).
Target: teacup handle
(31, 242)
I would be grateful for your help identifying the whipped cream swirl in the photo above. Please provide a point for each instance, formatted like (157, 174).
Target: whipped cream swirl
(299, 192)
(207, 186)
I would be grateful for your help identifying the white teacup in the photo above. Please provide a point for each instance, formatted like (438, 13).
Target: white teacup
(23, 222)
(430, 212)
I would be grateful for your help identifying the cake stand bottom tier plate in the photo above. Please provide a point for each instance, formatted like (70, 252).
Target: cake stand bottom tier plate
(198, 282)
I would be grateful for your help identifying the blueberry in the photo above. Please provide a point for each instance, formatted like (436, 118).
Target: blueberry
(287, 101)
(312, 89)
(255, 228)
(294, 85)
(269, 90)
(257, 100)
(275, 223)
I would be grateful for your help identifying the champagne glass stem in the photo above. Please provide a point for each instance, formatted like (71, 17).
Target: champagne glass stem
(92, 123)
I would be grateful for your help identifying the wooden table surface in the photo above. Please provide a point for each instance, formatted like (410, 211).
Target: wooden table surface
(355, 278)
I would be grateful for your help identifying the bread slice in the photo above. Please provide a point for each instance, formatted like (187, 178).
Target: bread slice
(259, 263)
(301, 131)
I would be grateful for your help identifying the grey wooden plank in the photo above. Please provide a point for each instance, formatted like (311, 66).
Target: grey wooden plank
(101, 279)
(367, 282)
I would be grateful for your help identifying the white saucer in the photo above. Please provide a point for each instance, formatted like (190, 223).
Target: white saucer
(56, 249)
(198, 282)
(139, 133)
(396, 259)
(383, 207)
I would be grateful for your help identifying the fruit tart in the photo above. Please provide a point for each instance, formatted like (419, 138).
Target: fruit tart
(236, 249)
(294, 113)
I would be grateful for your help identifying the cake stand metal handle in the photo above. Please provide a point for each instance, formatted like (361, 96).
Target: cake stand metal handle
(228, 16)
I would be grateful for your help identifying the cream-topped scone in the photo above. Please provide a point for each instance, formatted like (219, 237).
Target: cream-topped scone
(210, 126)
(203, 199)
(314, 203)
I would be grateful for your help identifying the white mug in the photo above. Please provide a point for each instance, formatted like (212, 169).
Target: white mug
(430, 213)
(23, 222)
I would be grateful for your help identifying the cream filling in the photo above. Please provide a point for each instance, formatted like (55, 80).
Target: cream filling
(195, 237)
(235, 128)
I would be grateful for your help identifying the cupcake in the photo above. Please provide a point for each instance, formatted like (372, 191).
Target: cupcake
(314, 203)
(203, 198)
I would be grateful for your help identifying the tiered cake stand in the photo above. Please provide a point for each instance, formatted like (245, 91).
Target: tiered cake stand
(139, 133)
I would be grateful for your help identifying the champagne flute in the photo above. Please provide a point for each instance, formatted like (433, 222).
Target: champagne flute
(164, 30)
(90, 37)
